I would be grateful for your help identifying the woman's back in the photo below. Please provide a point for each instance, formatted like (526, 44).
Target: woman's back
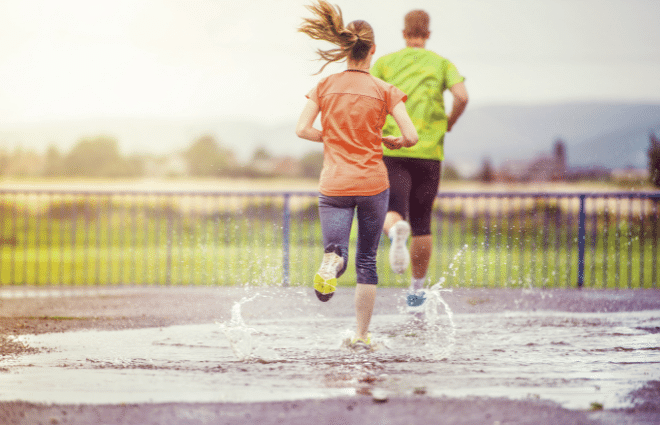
(354, 106)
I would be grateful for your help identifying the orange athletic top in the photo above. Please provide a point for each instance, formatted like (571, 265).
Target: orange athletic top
(354, 105)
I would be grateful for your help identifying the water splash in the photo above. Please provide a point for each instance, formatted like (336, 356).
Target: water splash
(454, 265)
(245, 346)
(237, 333)
(433, 335)
(436, 310)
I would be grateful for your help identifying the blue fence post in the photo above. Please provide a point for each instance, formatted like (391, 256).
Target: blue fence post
(582, 231)
(170, 234)
(286, 220)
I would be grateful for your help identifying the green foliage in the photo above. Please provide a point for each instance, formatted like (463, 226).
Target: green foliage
(4, 162)
(88, 209)
(93, 157)
(450, 173)
(261, 153)
(654, 160)
(205, 158)
(54, 163)
(311, 164)
(487, 172)
(595, 406)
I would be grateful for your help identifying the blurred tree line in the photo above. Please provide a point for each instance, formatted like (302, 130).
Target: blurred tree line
(100, 157)
(93, 157)
(654, 159)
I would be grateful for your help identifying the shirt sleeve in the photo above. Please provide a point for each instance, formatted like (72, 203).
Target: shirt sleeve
(452, 76)
(314, 95)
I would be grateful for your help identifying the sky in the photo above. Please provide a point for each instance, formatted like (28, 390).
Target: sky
(72, 59)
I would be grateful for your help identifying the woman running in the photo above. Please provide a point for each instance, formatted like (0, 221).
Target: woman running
(353, 106)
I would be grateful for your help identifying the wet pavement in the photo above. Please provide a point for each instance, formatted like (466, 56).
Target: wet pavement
(580, 349)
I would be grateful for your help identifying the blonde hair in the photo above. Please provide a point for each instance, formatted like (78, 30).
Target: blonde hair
(353, 41)
(416, 24)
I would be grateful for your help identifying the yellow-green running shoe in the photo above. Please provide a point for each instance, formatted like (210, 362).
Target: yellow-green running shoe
(325, 280)
(360, 344)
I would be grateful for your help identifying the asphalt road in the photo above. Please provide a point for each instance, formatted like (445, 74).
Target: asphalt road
(31, 311)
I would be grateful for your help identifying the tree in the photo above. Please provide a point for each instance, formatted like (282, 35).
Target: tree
(93, 157)
(311, 164)
(654, 159)
(261, 154)
(449, 172)
(487, 174)
(205, 158)
(54, 162)
(4, 162)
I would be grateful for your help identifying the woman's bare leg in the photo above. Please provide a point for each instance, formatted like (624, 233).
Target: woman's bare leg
(365, 299)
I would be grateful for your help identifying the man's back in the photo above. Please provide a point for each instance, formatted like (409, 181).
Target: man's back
(424, 76)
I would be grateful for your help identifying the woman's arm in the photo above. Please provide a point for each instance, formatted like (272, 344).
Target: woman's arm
(304, 128)
(408, 132)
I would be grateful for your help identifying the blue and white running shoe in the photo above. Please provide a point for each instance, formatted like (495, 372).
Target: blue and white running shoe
(415, 301)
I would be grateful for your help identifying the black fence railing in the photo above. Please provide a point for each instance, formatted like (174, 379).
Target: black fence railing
(596, 240)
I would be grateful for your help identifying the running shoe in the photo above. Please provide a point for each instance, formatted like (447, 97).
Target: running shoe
(360, 344)
(325, 281)
(399, 256)
(415, 301)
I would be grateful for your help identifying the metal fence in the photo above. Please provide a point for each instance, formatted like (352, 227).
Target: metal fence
(597, 240)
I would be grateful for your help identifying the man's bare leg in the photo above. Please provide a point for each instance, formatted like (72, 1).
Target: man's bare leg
(420, 255)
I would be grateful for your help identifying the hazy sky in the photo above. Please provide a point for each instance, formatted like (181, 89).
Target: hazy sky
(219, 58)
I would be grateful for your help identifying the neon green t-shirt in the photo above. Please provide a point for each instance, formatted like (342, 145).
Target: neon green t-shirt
(423, 76)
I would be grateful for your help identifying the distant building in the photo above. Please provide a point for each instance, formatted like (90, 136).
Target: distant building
(630, 175)
(593, 172)
(286, 166)
(554, 168)
(542, 168)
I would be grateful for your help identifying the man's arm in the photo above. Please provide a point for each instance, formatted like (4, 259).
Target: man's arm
(460, 94)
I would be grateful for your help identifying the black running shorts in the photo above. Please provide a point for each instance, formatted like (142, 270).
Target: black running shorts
(413, 187)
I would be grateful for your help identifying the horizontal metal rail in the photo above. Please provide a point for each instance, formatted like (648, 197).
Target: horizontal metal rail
(483, 239)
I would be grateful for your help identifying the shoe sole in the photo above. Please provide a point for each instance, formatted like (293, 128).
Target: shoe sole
(399, 255)
(323, 297)
(361, 347)
(325, 281)
(324, 289)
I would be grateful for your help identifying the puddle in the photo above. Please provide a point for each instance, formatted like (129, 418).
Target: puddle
(574, 359)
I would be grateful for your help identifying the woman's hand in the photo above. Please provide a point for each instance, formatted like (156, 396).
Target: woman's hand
(408, 131)
(392, 142)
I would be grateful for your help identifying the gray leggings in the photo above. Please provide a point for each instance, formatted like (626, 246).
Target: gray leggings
(337, 213)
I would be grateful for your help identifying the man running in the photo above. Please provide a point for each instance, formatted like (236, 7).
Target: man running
(414, 172)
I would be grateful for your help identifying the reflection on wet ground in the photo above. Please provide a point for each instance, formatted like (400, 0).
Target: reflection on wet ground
(575, 359)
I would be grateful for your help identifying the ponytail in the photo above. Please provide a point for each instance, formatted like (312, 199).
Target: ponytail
(353, 41)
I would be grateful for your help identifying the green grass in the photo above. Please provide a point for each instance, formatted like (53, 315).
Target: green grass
(98, 242)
